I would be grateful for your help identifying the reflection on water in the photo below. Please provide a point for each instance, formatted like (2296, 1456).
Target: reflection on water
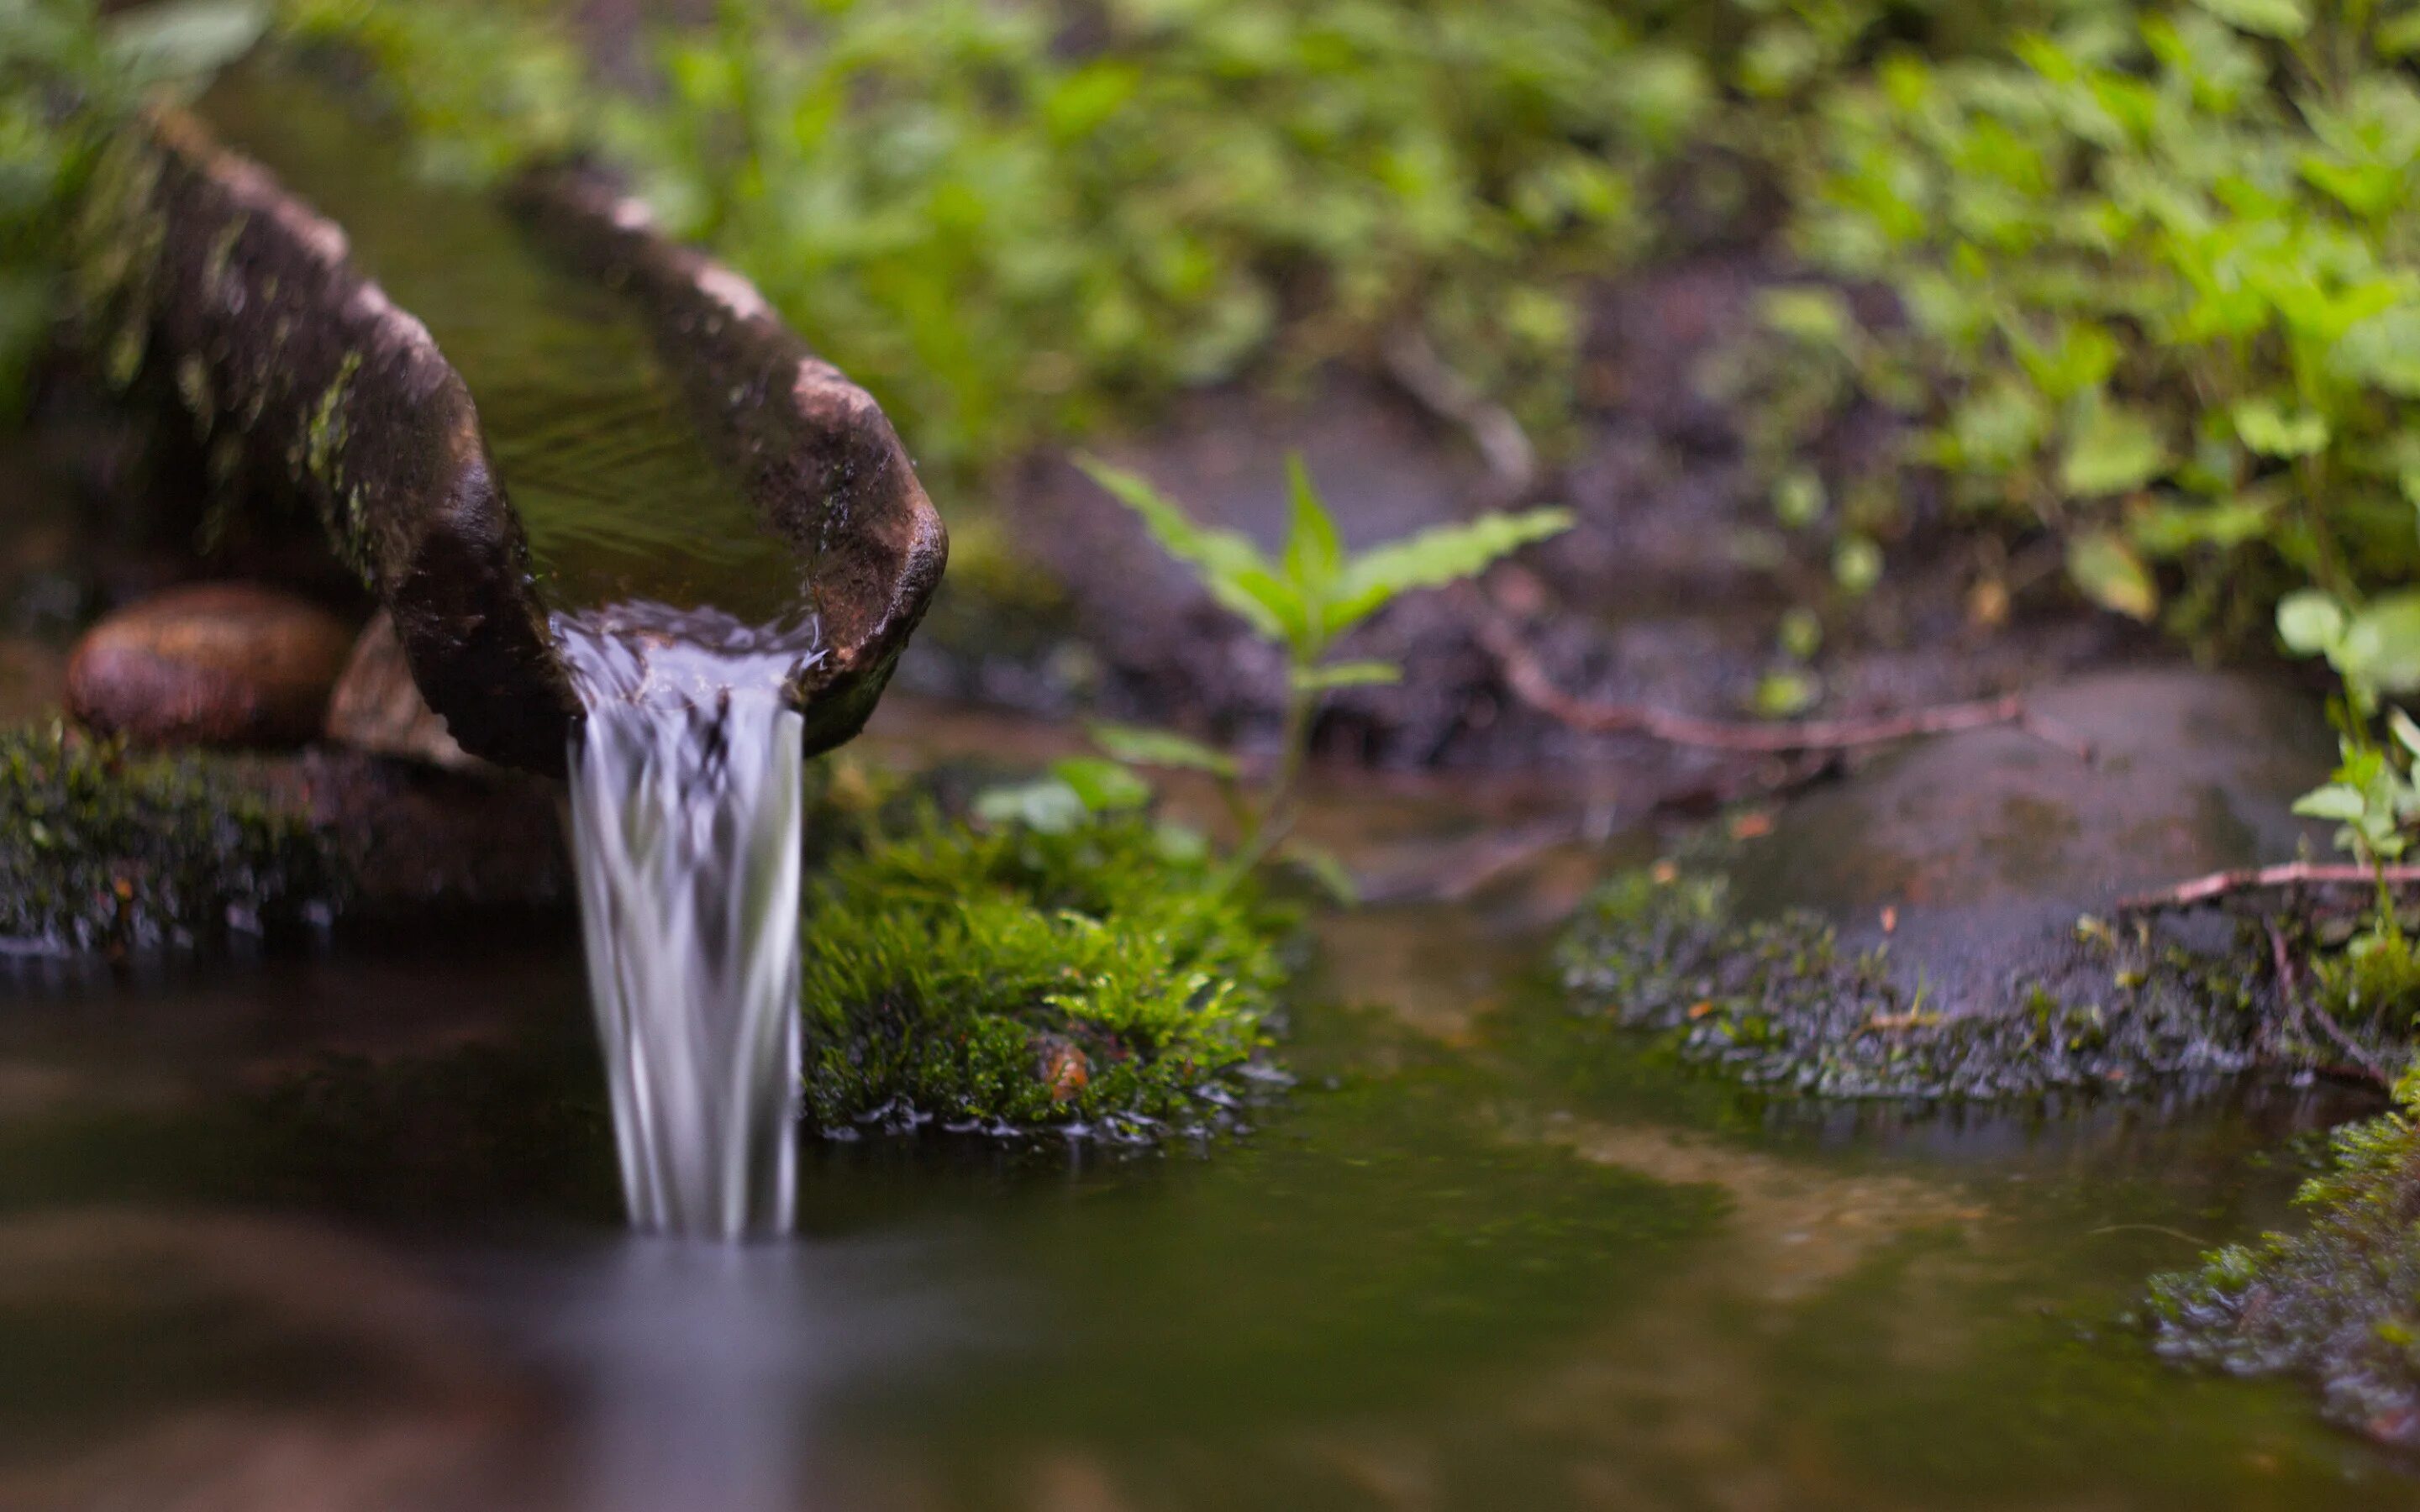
(695, 1374)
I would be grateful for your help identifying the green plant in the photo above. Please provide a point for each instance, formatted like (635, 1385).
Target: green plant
(1303, 600)
(2375, 651)
(69, 75)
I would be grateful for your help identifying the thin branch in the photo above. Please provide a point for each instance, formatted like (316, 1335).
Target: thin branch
(2358, 1066)
(1510, 457)
(1528, 678)
(2257, 878)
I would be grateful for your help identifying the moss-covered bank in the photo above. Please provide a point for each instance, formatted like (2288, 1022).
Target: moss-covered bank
(1784, 1002)
(2336, 1304)
(1104, 978)
(103, 850)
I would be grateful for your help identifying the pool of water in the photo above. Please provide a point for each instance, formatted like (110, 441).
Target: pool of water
(345, 1234)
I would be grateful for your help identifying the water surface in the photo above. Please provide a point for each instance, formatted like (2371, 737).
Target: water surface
(1482, 1258)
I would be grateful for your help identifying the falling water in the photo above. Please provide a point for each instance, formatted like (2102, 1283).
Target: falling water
(685, 811)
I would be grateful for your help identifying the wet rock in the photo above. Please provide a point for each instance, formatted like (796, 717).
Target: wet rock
(1941, 922)
(420, 843)
(377, 708)
(213, 664)
(1981, 841)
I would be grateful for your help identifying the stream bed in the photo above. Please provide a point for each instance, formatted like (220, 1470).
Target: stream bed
(345, 1234)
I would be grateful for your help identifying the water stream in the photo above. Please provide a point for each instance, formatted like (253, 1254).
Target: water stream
(684, 781)
(684, 806)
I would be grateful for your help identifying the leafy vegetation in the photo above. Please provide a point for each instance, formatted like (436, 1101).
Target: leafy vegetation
(103, 850)
(1101, 973)
(2155, 266)
(2336, 1304)
(68, 77)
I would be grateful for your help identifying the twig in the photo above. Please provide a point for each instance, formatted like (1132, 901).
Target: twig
(1503, 443)
(1529, 680)
(2254, 878)
(2361, 1067)
(2149, 1229)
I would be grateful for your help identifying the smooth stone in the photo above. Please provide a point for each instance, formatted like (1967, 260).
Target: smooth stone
(377, 708)
(213, 664)
(1985, 847)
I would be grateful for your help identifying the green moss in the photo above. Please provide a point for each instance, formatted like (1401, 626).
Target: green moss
(1784, 1003)
(1004, 980)
(101, 850)
(2336, 1304)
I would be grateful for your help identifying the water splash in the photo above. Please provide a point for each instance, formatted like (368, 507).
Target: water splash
(685, 813)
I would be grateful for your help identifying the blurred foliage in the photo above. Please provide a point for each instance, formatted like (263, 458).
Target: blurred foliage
(68, 77)
(2149, 261)
(2156, 271)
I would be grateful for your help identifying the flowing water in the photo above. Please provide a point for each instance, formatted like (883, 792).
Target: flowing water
(684, 781)
(685, 795)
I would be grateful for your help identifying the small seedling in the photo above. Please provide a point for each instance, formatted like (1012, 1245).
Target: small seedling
(1303, 600)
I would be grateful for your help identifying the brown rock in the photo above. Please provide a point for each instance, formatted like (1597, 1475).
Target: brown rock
(377, 707)
(221, 664)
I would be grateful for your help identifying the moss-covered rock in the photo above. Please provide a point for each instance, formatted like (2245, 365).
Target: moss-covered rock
(2336, 1304)
(1104, 979)
(1785, 1002)
(104, 849)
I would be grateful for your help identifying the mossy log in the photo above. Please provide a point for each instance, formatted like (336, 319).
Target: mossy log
(301, 373)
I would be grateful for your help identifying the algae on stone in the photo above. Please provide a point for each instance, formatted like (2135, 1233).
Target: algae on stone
(1784, 1003)
(1004, 980)
(2336, 1304)
(105, 850)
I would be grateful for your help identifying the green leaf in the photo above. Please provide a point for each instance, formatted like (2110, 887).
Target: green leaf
(185, 38)
(1138, 747)
(1434, 557)
(2399, 38)
(2261, 18)
(1324, 867)
(1783, 693)
(1344, 674)
(2336, 801)
(1314, 555)
(1102, 786)
(2310, 622)
(2271, 432)
(1238, 577)
(2405, 732)
(1046, 804)
(2382, 645)
(2107, 571)
(2116, 449)
(1856, 566)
